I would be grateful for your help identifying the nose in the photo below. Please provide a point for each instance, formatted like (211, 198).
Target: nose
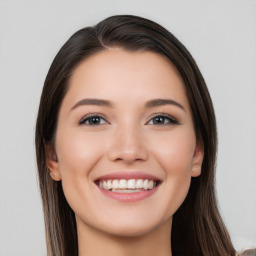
(128, 145)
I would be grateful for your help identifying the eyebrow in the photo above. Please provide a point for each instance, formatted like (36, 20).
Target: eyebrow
(106, 103)
(162, 102)
(96, 102)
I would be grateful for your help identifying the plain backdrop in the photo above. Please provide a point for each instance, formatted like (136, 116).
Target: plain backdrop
(221, 36)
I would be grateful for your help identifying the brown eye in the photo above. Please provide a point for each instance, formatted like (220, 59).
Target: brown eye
(160, 120)
(93, 120)
(163, 120)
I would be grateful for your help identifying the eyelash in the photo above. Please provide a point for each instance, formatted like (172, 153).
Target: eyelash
(90, 118)
(170, 120)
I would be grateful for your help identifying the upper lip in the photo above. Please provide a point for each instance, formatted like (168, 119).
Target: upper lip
(127, 176)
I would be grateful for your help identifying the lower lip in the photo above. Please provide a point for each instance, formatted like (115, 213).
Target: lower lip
(129, 197)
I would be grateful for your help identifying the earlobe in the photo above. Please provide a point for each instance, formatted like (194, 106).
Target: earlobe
(195, 171)
(197, 160)
(52, 162)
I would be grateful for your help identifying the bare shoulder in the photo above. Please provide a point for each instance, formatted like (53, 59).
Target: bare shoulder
(250, 252)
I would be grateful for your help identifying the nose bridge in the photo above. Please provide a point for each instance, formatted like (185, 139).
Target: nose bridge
(128, 144)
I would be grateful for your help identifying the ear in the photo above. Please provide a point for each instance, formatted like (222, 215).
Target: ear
(197, 159)
(52, 162)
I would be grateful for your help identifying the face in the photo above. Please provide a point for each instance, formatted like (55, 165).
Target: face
(125, 119)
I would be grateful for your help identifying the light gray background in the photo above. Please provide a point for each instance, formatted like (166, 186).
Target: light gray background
(221, 36)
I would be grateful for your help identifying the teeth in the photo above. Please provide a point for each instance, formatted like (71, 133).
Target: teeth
(151, 184)
(115, 184)
(126, 190)
(122, 184)
(139, 184)
(108, 184)
(104, 184)
(145, 184)
(127, 186)
(131, 184)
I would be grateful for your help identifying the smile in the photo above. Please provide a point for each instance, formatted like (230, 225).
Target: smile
(128, 187)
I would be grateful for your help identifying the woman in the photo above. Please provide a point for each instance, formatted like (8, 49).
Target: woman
(126, 146)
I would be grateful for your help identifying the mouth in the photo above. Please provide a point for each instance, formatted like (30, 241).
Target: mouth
(128, 187)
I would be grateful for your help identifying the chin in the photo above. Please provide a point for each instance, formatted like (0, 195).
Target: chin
(135, 226)
(131, 230)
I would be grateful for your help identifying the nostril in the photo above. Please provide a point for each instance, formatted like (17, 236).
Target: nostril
(129, 157)
(127, 150)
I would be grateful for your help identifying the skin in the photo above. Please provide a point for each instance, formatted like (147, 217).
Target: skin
(127, 138)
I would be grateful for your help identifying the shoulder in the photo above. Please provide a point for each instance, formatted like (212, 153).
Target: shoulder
(251, 252)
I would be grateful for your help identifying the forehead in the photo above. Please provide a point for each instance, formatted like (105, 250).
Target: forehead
(119, 74)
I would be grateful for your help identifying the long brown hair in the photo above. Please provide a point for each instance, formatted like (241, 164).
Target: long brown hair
(197, 225)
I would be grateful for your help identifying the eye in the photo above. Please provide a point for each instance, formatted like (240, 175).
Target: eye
(93, 120)
(163, 120)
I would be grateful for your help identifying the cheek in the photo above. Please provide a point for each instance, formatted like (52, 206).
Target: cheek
(76, 152)
(77, 155)
(175, 155)
(175, 152)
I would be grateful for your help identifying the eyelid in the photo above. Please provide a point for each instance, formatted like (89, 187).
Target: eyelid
(173, 120)
(87, 116)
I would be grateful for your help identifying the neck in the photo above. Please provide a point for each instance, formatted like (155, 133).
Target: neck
(93, 242)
